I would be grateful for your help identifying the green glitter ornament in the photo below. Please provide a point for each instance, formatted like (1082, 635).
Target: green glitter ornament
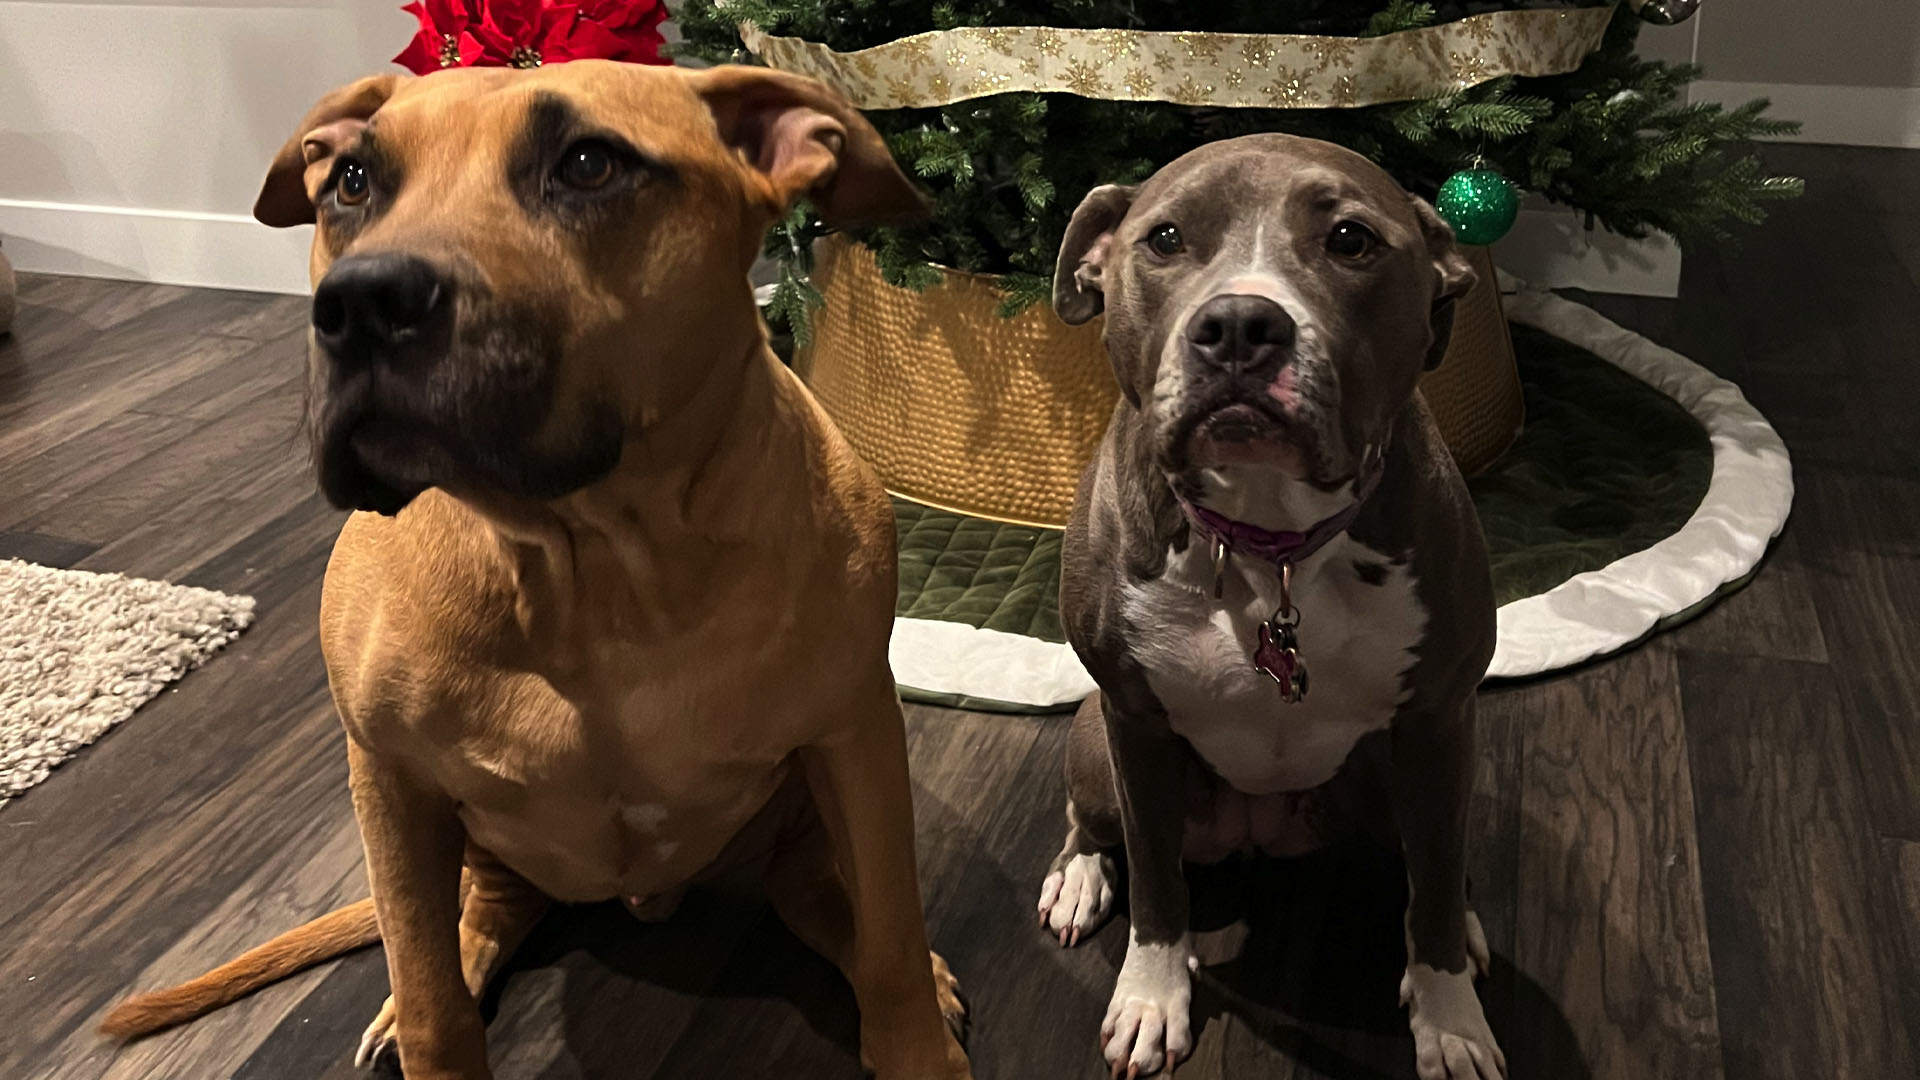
(1479, 203)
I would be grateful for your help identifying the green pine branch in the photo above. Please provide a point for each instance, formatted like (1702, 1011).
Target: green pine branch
(1614, 139)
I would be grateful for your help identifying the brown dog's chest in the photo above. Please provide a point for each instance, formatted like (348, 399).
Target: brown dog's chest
(620, 761)
(629, 794)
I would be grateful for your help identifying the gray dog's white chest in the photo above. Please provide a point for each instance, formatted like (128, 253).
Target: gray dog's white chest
(1357, 637)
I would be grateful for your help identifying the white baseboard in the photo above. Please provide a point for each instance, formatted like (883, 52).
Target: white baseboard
(1552, 248)
(225, 251)
(1848, 115)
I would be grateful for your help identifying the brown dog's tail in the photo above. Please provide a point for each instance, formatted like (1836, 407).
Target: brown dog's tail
(352, 927)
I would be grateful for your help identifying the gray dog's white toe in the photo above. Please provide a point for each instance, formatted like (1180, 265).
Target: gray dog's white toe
(1451, 1040)
(1147, 1026)
(1077, 898)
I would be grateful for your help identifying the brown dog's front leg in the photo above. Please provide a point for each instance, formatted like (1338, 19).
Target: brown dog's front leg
(860, 789)
(498, 909)
(414, 843)
(1431, 781)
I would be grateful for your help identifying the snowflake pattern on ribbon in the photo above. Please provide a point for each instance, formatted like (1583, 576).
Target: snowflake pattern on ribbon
(1299, 71)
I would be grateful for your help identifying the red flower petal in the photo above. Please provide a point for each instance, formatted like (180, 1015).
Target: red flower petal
(422, 54)
(591, 40)
(470, 50)
(493, 32)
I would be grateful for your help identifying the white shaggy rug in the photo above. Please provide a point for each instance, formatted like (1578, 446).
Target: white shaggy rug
(79, 652)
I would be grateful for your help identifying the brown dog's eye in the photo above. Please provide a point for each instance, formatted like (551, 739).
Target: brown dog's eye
(586, 165)
(1164, 241)
(354, 185)
(1350, 240)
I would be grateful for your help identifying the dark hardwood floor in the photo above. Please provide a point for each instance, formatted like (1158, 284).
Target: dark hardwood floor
(1697, 860)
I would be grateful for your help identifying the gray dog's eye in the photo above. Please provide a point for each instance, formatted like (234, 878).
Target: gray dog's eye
(1350, 240)
(1164, 240)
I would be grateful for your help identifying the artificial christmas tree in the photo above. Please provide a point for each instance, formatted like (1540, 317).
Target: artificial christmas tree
(1611, 136)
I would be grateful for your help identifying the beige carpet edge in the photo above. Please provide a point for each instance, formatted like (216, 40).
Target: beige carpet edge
(81, 651)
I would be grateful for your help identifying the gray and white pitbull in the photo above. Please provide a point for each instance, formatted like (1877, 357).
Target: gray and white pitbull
(1271, 493)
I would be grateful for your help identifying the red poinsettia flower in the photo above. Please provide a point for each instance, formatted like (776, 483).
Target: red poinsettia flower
(530, 33)
(635, 22)
(444, 40)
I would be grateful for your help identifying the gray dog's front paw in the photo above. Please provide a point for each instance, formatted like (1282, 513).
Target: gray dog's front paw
(1451, 1040)
(1477, 951)
(1077, 898)
(1147, 1026)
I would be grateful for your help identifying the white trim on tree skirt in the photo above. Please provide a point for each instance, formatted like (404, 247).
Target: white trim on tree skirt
(1586, 616)
(1745, 507)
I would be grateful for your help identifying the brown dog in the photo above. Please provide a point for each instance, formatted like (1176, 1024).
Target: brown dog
(618, 613)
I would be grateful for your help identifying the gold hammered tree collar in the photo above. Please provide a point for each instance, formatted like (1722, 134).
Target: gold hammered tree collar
(1268, 71)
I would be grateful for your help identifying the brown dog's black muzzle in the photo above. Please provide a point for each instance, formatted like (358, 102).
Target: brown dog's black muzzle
(387, 307)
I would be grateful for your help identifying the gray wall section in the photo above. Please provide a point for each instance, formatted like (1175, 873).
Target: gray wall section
(1674, 44)
(1809, 42)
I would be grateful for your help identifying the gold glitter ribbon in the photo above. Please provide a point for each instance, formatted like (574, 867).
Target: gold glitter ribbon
(1285, 71)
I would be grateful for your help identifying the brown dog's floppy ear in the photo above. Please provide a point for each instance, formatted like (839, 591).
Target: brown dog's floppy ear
(1078, 294)
(333, 121)
(805, 139)
(1453, 276)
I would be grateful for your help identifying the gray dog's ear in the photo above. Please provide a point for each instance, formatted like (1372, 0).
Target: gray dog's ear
(1078, 294)
(1452, 274)
(334, 121)
(802, 138)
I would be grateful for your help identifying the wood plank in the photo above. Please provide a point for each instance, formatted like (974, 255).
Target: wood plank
(41, 549)
(276, 367)
(1901, 858)
(35, 482)
(101, 302)
(259, 317)
(1798, 908)
(1610, 922)
(56, 314)
(267, 563)
(187, 476)
(125, 366)
(1863, 552)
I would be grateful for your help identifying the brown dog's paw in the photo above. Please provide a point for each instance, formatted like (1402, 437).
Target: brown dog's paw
(946, 990)
(379, 1040)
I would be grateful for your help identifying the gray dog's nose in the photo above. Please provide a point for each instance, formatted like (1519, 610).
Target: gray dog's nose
(1242, 334)
(370, 303)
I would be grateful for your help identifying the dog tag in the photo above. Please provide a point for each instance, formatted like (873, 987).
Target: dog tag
(1278, 654)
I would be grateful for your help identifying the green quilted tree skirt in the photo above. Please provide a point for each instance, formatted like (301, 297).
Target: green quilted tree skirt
(1607, 466)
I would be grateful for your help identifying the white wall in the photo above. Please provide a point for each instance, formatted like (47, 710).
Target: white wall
(133, 136)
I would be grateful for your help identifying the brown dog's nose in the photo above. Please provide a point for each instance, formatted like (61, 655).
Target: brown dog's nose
(373, 303)
(1242, 334)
